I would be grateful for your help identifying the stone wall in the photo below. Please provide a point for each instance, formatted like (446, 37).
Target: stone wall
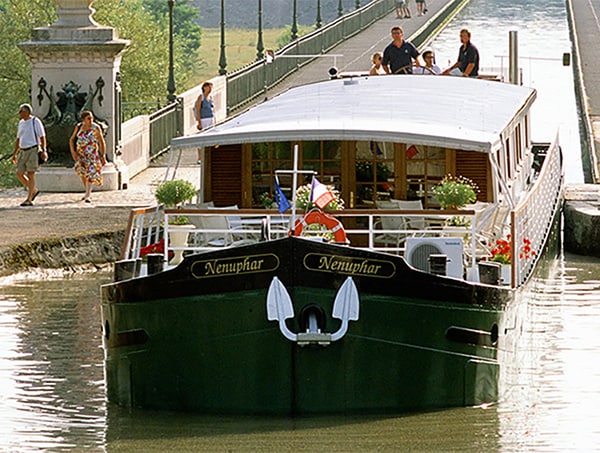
(98, 248)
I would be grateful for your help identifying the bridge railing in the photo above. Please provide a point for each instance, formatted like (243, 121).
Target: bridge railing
(165, 124)
(249, 82)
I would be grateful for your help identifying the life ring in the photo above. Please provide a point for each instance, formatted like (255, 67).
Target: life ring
(317, 216)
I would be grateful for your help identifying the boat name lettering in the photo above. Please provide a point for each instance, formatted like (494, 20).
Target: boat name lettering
(349, 266)
(222, 267)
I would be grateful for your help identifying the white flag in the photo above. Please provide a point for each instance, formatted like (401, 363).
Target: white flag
(320, 195)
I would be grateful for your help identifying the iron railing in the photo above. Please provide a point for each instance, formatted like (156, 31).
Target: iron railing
(165, 124)
(246, 84)
(132, 109)
(532, 220)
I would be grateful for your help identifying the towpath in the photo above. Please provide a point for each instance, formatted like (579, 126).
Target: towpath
(584, 19)
(582, 201)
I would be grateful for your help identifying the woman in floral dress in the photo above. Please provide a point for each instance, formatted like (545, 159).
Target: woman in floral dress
(89, 152)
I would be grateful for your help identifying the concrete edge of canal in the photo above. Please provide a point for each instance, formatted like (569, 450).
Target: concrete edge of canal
(582, 201)
(63, 252)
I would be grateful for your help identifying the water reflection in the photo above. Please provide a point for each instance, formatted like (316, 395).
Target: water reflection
(52, 387)
(51, 371)
(434, 431)
(554, 396)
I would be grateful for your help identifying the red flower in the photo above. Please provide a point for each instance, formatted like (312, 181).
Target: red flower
(157, 247)
(502, 253)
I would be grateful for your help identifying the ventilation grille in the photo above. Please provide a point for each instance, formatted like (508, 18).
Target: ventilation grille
(419, 256)
(419, 249)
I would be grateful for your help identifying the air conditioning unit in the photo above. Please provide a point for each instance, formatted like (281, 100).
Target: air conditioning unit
(418, 251)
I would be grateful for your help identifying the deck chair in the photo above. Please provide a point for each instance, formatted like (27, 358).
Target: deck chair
(221, 238)
(392, 224)
(414, 223)
(490, 223)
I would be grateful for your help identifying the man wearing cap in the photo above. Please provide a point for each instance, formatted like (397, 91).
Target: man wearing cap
(31, 137)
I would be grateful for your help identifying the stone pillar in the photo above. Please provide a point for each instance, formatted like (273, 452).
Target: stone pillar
(77, 54)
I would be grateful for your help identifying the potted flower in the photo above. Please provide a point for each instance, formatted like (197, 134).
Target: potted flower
(172, 194)
(267, 201)
(502, 253)
(454, 192)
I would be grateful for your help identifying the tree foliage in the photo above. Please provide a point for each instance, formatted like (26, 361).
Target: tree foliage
(185, 26)
(144, 66)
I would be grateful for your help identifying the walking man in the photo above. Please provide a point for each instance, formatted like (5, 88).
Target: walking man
(31, 137)
(399, 54)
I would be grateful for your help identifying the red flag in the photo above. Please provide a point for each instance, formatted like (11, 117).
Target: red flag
(411, 151)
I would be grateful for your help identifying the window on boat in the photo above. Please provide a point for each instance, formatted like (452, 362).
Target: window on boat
(266, 158)
(507, 153)
(375, 164)
(518, 146)
(324, 157)
(527, 144)
(425, 167)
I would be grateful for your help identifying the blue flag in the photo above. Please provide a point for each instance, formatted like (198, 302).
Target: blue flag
(282, 202)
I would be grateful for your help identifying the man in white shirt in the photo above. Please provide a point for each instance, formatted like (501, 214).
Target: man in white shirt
(430, 67)
(31, 137)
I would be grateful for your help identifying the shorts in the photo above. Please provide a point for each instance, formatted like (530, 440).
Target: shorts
(207, 122)
(27, 160)
(400, 3)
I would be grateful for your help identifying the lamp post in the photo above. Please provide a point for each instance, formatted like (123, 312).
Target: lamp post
(259, 44)
(294, 21)
(319, 23)
(171, 81)
(340, 9)
(222, 57)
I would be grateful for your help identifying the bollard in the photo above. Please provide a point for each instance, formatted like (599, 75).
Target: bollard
(124, 270)
(437, 264)
(489, 272)
(138, 267)
(155, 263)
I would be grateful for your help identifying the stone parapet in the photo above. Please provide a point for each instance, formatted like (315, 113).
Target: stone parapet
(582, 219)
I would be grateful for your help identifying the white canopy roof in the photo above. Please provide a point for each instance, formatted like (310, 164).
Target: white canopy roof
(453, 112)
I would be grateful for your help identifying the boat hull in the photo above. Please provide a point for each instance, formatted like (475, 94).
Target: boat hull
(198, 338)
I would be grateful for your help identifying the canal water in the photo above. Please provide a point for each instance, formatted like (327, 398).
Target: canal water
(52, 391)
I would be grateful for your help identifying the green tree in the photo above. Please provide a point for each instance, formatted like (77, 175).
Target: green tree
(145, 64)
(17, 18)
(185, 26)
(144, 67)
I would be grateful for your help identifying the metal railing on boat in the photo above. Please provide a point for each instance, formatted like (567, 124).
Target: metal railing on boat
(149, 226)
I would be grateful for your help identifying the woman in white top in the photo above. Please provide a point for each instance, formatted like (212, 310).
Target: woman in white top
(377, 69)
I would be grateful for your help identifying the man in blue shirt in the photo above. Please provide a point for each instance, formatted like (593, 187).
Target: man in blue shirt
(468, 58)
(398, 56)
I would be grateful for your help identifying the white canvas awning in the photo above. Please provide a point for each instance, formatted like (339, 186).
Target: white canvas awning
(453, 112)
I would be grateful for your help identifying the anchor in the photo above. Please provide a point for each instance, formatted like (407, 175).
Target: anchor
(280, 308)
